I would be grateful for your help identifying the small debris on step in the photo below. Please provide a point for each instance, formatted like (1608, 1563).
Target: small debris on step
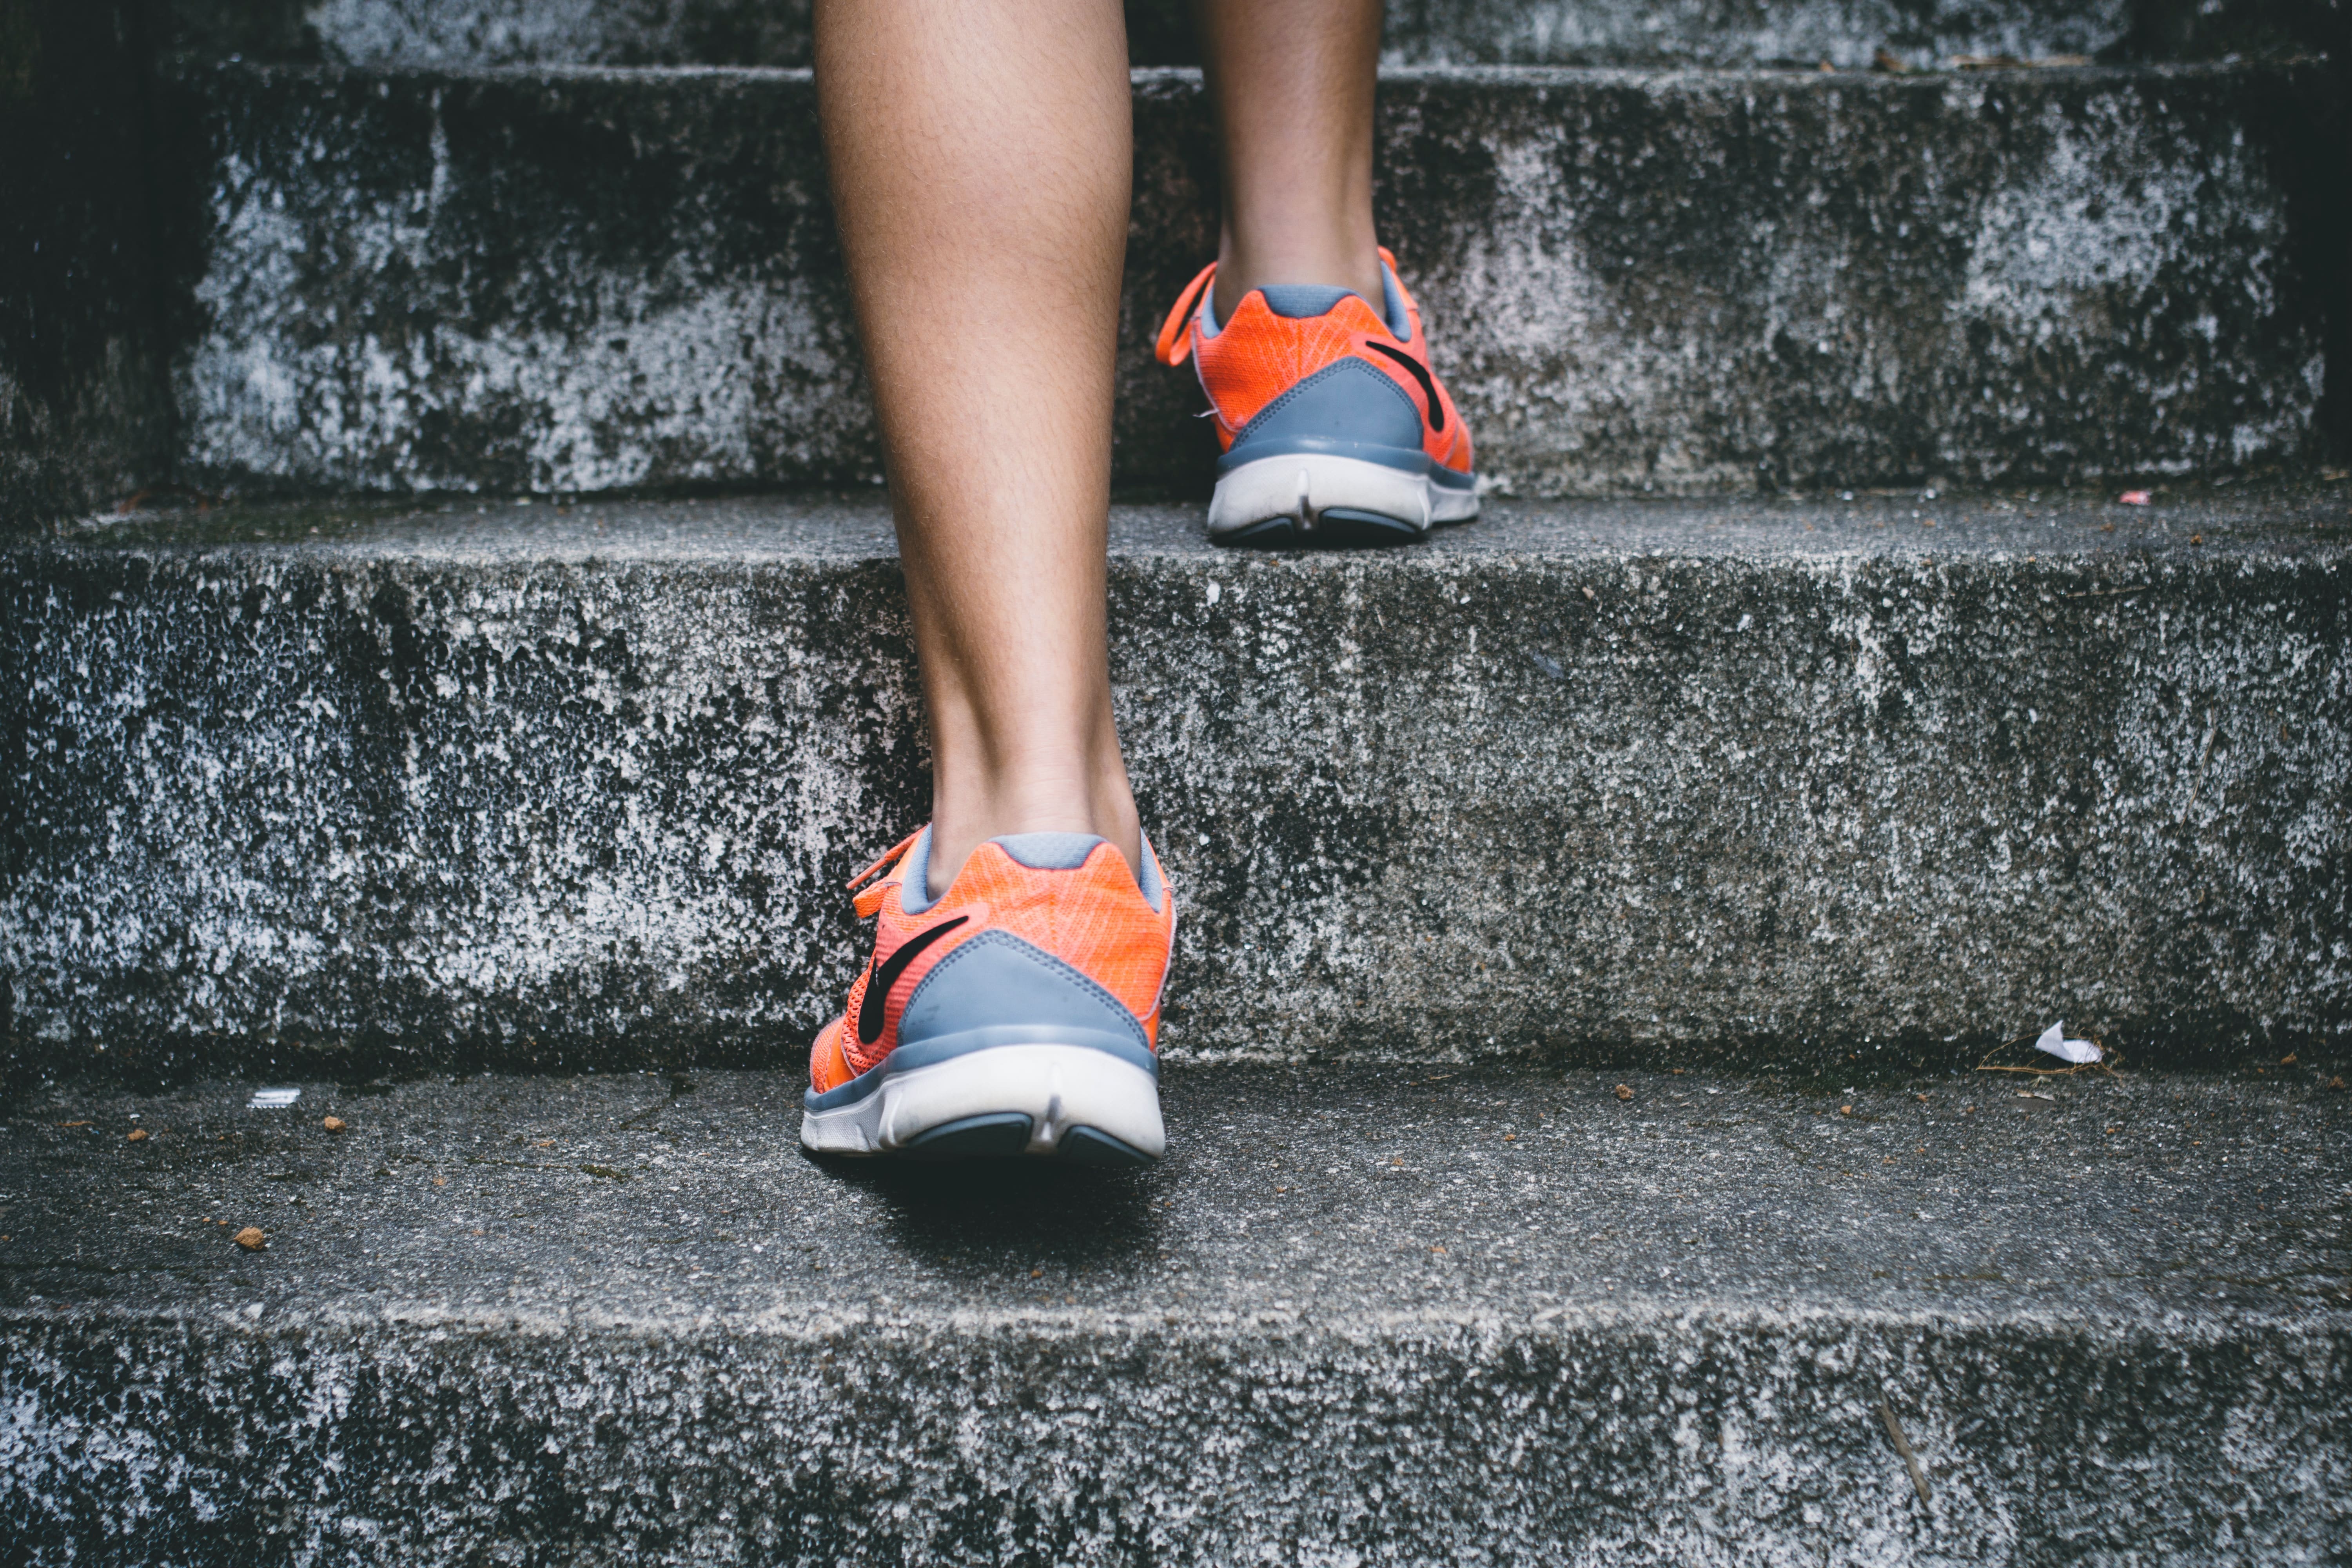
(440, 1181)
(2287, 1060)
(2134, 497)
(1624, 1091)
(136, 1135)
(251, 1238)
(1845, 1110)
(1884, 59)
(2034, 1094)
(2054, 1041)
(333, 1124)
(272, 1098)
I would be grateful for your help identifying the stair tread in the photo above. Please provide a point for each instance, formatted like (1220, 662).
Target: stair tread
(635, 1325)
(1353, 1200)
(1500, 73)
(2306, 518)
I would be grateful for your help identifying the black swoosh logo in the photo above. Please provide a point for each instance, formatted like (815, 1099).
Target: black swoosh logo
(877, 988)
(1428, 387)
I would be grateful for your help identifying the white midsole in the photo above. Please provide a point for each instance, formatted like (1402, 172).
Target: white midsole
(1306, 484)
(1058, 1086)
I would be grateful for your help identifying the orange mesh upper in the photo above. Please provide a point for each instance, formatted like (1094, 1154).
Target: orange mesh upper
(1257, 356)
(1093, 918)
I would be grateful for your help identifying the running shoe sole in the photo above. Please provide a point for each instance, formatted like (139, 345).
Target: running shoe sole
(1047, 1099)
(1324, 498)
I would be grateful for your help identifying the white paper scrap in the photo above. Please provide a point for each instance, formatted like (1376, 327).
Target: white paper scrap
(2055, 1041)
(272, 1098)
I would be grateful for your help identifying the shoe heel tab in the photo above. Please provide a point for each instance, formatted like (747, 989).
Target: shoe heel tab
(1175, 345)
(1049, 851)
(1070, 851)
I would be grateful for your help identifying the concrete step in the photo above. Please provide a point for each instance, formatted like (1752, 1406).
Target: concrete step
(560, 282)
(1847, 33)
(1899, 778)
(1360, 1316)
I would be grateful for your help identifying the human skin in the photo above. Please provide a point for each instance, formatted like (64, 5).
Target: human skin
(981, 153)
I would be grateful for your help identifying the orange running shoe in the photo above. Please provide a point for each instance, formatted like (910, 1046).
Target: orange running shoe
(1018, 1013)
(1332, 425)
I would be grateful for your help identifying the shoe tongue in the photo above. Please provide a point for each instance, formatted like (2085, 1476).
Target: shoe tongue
(1048, 851)
(1303, 302)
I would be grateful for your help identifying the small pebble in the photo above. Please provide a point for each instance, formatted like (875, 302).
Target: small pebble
(137, 1135)
(251, 1238)
(1625, 1092)
(1845, 1110)
(333, 1124)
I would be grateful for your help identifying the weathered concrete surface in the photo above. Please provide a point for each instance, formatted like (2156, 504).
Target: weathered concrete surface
(1733, 33)
(593, 1320)
(1762, 780)
(588, 281)
(84, 388)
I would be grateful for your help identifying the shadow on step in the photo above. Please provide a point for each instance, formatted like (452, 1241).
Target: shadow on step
(985, 1210)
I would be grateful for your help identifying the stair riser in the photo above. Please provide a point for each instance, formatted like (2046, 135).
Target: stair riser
(585, 281)
(334, 808)
(1073, 1440)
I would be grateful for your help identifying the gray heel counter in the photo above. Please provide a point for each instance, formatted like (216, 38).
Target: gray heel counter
(1348, 400)
(997, 980)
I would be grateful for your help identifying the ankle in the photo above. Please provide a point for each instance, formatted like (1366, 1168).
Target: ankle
(1333, 265)
(961, 825)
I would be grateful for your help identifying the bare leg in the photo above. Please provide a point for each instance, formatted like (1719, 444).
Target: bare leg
(980, 156)
(1291, 81)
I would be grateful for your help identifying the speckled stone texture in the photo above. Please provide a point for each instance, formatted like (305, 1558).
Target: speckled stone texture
(1756, 781)
(1847, 33)
(1360, 1316)
(585, 280)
